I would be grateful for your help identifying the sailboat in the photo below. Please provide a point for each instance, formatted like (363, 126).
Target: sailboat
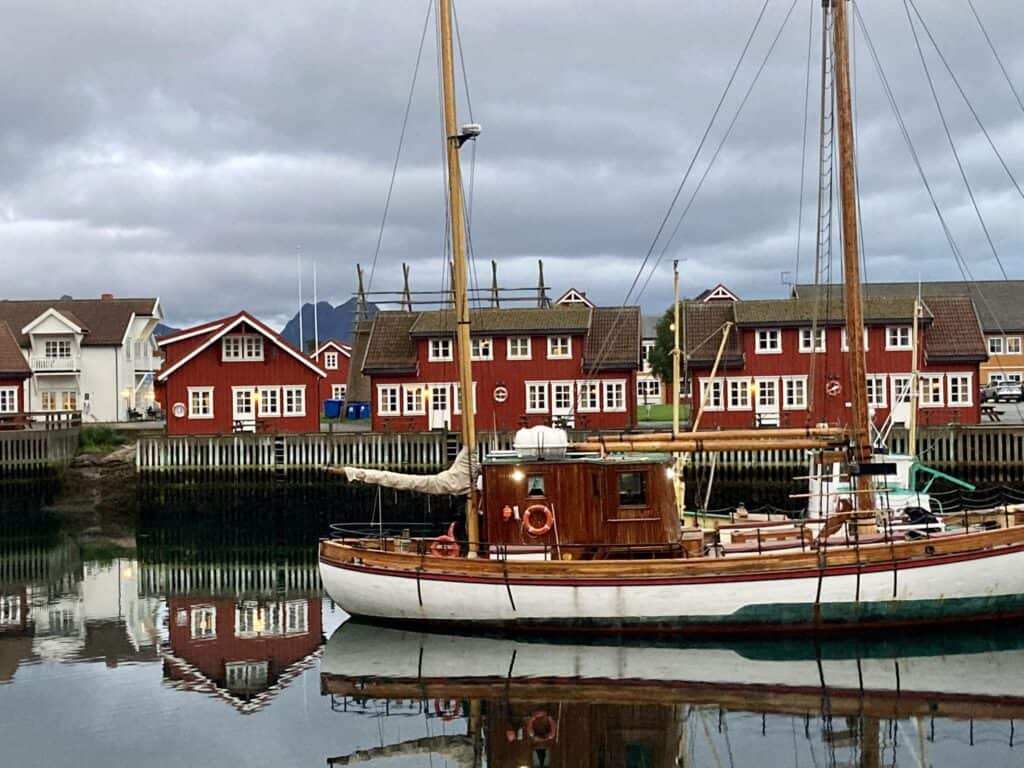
(591, 540)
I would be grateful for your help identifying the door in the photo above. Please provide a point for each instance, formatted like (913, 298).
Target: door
(440, 407)
(243, 413)
(561, 403)
(767, 403)
(900, 399)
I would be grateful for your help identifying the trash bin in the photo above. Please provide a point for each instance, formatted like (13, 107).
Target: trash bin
(332, 408)
(352, 411)
(364, 410)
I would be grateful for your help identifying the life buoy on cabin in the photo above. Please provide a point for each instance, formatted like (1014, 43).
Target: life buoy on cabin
(541, 726)
(833, 388)
(445, 545)
(538, 530)
(447, 710)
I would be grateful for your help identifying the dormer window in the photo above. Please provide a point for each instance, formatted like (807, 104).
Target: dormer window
(331, 361)
(57, 348)
(237, 348)
(440, 350)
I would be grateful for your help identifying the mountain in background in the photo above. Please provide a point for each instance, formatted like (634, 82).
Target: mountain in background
(164, 330)
(334, 322)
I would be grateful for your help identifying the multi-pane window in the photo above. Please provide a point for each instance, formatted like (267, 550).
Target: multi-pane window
(794, 393)
(648, 348)
(876, 391)
(559, 347)
(1013, 345)
(387, 400)
(481, 349)
(440, 350)
(8, 399)
(561, 396)
(69, 400)
(518, 348)
(242, 348)
(296, 617)
(338, 391)
(897, 337)
(588, 396)
(615, 395)
(243, 402)
(48, 400)
(270, 401)
(331, 361)
(931, 390)
(457, 398)
(294, 400)
(769, 341)
(900, 389)
(844, 346)
(536, 397)
(204, 621)
(414, 402)
(200, 402)
(995, 345)
(648, 391)
(805, 340)
(57, 348)
(739, 395)
(711, 394)
(10, 609)
(959, 389)
(246, 675)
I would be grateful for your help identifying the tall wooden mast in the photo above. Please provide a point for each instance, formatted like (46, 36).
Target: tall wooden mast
(462, 343)
(851, 254)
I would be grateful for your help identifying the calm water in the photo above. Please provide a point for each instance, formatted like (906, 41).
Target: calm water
(209, 644)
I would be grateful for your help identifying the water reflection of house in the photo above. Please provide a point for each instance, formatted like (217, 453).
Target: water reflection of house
(242, 651)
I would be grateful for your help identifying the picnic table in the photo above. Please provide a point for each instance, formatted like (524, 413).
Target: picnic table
(991, 413)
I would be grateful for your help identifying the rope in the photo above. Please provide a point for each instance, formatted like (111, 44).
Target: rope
(995, 53)
(803, 145)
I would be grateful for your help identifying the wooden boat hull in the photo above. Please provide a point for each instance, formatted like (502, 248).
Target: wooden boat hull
(977, 576)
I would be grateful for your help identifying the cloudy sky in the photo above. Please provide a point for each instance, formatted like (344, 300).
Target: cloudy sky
(191, 149)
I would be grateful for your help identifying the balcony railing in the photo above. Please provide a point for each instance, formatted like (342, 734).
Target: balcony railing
(43, 364)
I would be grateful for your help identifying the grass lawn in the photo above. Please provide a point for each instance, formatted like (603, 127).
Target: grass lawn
(661, 412)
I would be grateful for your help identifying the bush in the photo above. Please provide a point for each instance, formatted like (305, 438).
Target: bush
(99, 439)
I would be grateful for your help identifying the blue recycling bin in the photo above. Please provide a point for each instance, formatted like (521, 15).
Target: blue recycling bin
(352, 411)
(364, 410)
(332, 408)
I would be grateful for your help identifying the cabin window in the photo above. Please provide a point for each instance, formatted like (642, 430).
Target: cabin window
(805, 340)
(959, 389)
(535, 485)
(8, 399)
(518, 348)
(387, 400)
(897, 337)
(481, 349)
(440, 350)
(769, 341)
(294, 401)
(204, 621)
(559, 347)
(331, 361)
(632, 489)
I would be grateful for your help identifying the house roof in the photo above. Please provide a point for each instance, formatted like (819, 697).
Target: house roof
(703, 324)
(228, 324)
(955, 334)
(190, 333)
(802, 311)
(104, 321)
(997, 302)
(390, 347)
(358, 387)
(559, 319)
(614, 339)
(649, 327)
(572, 296)
(12, 361)
(343, 348)
(718, 293)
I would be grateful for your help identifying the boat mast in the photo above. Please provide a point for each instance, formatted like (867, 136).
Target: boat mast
(677, 474)
(851, 259)
(462, 343)
(914, 378)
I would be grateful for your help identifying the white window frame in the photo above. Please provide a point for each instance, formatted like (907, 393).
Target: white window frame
(927, 388)
(646, 347)
(439, 350)
(964, 399)
(716, 401)
(555, 351)
(9, 399)
(996, 345)
(607, 387)
(895, 380)
(240, 348)
(763, 338)
(894, 337)
(242, 391)
(411, 395)
(588, 396)
(481, 348)
(393, 391)
(298, 392)
(805, 340)
(538, 386)
(265, 397)
(192, 412)
(69, 400)
(789, 381)
(516, 341)
(195, 612)
(457, 400)
(844, 345)
(296, 617)
(48, 400)
(1013, 346)
(331, 361)
(881, 387)
(338, 391)
(739, 394)
(648, 388)
(61, 349)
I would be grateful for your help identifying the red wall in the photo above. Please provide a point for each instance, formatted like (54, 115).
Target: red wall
(831, 364)
(19, 382)
(339, 376)
(513, 375)
(208, 370)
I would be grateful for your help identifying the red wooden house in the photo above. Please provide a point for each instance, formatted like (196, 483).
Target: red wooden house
(334, 356)
(14, 371)
(572, 365)
(243, 651)
(773, 373)
(236, 374)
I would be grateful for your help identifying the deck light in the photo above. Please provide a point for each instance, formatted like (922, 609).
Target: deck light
(517, 475)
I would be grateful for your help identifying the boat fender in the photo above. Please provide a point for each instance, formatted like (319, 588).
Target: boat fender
(445, 545)
(538, 530)
(541, 726)
(447, 710)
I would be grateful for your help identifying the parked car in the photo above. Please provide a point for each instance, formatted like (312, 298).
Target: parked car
(988, 391)
(1010, 391)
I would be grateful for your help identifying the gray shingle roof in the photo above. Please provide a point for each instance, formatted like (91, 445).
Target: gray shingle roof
(105, 320)
(955, 334)
(802, 311)
(506, 321)
(390, 347)
(613, 341)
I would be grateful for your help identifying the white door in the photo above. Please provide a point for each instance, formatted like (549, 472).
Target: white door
(244, 410)
(900, 399)
(440, 407)
(767, 402)
(561, 402)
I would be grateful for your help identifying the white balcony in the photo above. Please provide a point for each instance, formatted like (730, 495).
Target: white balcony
(43, 364)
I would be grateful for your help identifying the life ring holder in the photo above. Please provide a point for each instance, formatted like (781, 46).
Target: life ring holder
(448, 709)
(541, 726)
(538, 530)
(445, 545)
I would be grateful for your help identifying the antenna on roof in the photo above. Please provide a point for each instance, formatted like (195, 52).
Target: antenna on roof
(495, 301)
(406, 293)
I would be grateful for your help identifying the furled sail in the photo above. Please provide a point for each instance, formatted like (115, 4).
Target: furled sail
(454, 481)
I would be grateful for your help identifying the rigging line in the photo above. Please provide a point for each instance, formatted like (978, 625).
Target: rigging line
(995, 53)
(718, 149)
(967, 101)
(401, 141)
(949, 138)
(803, 146)
(856, 157)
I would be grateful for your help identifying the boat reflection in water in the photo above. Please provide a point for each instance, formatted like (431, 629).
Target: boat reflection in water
(903, 700)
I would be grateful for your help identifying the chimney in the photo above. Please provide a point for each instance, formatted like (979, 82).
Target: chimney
(106, 296)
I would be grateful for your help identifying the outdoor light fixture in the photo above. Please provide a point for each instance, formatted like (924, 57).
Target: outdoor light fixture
(517, 475)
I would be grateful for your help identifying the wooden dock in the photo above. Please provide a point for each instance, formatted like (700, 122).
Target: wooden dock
(50, 440)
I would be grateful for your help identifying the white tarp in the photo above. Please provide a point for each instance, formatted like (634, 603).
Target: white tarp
(454, 481)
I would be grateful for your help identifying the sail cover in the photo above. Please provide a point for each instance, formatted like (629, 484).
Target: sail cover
(454, 481)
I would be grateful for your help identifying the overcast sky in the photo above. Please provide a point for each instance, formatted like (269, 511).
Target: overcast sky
(190, 149)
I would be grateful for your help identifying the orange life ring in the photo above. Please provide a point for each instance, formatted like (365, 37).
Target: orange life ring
(541, 726)
(833, 388)
(538, 530)
(447, 710)
(445, 545)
